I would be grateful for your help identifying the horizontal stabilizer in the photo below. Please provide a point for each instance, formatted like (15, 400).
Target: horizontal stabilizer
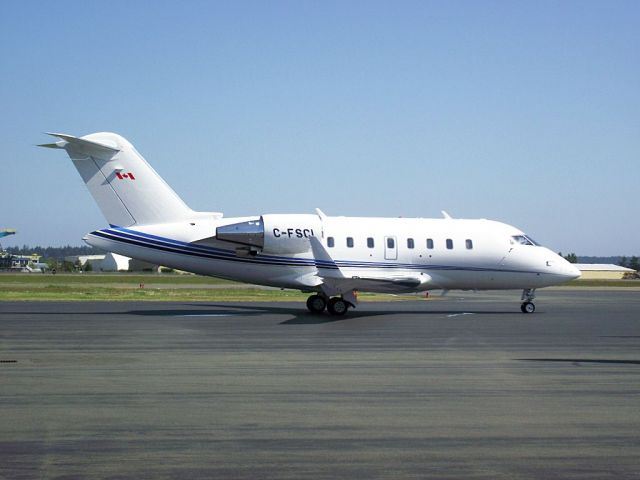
(60, 144)
(81, 143)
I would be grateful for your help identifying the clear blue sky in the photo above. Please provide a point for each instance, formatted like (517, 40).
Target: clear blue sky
(524, 112)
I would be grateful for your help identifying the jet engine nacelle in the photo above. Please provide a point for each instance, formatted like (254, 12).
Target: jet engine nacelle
(273, 233)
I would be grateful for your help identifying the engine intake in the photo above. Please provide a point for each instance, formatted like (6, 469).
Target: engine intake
(249, 233)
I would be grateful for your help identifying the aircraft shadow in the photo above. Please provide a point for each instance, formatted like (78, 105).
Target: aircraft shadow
(300, 315)
(303, 317)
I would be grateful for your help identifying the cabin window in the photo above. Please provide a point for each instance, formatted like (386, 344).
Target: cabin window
(449, 244)
(391, 243)
(469, 244)
(350, 242)
(370, 242)
(430, 243)
(330, 242)
(410, 243)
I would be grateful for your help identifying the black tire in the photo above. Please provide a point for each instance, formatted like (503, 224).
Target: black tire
(316, 304)
(337, 306)
(527, 307)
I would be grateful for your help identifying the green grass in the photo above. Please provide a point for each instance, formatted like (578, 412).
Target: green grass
(126, 287)
(603, 283)
(90, 293)
(171, 287)
(110, 278)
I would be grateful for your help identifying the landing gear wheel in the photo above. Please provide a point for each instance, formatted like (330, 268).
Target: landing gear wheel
(337, 306)
(528, 307)
(316, 304)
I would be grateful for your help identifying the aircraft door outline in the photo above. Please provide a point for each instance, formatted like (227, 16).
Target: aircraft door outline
(390, 248)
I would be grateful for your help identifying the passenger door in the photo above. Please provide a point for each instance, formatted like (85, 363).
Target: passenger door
(390, 248)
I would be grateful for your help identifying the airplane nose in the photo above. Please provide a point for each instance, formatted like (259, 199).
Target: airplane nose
(560, 267)
(571, 272)
(566, 270)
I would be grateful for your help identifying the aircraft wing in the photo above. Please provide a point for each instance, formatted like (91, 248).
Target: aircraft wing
(336, 280)
(381, 284)
(400, 282)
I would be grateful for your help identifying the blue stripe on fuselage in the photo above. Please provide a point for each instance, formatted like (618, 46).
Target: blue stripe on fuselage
(141, 239)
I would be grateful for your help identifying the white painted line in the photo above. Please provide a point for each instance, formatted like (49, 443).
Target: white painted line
(458, 314)
(205, 315)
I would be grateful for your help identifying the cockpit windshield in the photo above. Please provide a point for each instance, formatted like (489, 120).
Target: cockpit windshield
(523, 240)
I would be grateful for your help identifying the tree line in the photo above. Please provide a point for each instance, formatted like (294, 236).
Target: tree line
(54, 253)
(632, 263)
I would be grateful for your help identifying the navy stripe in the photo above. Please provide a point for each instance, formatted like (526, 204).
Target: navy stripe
(194, 253)
(203, 248)
(133, 234)
(156, 242)
(307, 261)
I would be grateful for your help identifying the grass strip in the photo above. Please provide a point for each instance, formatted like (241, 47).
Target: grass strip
(90, 293)
(168, 287)
(602, 283)
(106, 278)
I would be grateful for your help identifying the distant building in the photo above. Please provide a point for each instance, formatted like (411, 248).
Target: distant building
(598, 271)
(21, 263)
(111, 262)
(82, 260)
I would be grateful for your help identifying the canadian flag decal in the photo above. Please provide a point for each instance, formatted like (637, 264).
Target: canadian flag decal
(123, 176)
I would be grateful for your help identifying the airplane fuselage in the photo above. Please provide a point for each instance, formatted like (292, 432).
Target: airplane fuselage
(437, 253)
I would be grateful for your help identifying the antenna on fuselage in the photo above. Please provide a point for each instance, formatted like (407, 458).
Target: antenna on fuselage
(320, 214)
(445, 215)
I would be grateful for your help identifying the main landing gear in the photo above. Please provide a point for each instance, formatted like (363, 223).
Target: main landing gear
(528, 294)
(335, 306)
(316, 303)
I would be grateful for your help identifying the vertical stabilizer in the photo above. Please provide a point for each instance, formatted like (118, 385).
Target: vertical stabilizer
(125, 187)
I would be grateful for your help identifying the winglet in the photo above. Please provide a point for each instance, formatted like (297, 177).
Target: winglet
(322, 258)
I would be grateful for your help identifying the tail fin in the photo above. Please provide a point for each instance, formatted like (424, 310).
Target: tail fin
(125, 187)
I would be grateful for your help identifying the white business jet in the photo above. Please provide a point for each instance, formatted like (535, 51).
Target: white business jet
(331, 257)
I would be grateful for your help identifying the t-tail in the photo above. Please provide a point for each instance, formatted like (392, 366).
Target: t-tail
(125, 187)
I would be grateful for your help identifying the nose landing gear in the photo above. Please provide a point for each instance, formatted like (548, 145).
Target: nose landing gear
(528, 294)
(527, 307)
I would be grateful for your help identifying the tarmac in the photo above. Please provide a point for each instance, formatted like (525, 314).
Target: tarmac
(463, 386)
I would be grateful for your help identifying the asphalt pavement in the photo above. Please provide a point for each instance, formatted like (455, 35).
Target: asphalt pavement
(464, 386)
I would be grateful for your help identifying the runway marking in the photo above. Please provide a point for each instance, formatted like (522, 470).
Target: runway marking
(206, 315)
(458, 314)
